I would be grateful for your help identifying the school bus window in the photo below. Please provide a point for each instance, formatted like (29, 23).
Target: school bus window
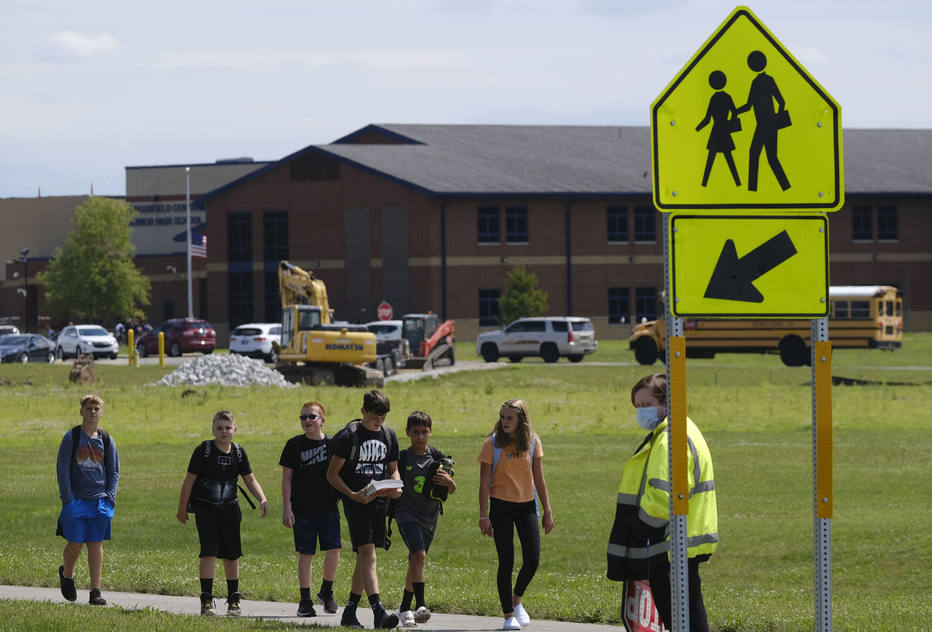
(841, 309)
(889, 305)
(860, 309)
(899, 307)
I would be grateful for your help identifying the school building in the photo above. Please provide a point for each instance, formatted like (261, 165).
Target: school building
(433, 217)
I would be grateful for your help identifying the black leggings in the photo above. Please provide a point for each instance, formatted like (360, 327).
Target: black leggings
(506, 517)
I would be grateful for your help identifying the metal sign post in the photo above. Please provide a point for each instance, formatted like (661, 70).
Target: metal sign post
(822, 471)
(676, 453)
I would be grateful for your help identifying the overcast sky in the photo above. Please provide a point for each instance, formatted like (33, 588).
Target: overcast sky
(93, 86)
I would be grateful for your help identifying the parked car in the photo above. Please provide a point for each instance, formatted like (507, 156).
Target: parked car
(8, 329)
(182, 335)
(75, 340)
(255, 340)
(550, 337)
(26, 348)
(385, 330)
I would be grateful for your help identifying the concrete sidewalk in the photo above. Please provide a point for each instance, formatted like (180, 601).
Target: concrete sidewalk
(286, 611)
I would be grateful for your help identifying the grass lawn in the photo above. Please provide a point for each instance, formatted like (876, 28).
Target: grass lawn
(754, 412)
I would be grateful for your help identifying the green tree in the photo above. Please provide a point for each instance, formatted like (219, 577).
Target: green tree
(522, 297)
(92, 277)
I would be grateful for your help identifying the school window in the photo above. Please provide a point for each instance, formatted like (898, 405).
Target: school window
(619, 305)
(887, 224)
(240, 297)
(616, 219)
(861, 227)
(645, 303)
(274, 249)
(239, 237)
(487, 230)
(841, 309)
(516, 231)
(488, 307)
(645, 227)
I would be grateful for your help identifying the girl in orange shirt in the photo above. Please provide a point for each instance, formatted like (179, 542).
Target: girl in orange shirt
(510, 472)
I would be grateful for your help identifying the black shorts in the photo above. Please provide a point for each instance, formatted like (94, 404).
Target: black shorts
(218, 531)
(366, 522)
(416, 536)
(308, 529)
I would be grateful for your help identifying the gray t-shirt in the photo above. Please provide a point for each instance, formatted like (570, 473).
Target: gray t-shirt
(414, 506)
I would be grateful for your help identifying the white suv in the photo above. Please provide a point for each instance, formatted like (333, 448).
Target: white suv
(549, 337)
(255, 340)
(75, 340)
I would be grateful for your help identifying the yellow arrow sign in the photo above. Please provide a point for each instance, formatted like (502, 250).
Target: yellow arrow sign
(766, 266)
(744, 126)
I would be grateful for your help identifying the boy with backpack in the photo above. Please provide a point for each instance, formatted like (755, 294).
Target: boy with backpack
(88, 474)
(365, 451)
(309, 506)
(427, 474)
(209, 491)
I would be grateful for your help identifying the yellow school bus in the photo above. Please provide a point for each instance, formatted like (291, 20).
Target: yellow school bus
(861, 316)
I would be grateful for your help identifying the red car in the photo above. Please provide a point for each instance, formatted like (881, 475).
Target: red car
(182, 335)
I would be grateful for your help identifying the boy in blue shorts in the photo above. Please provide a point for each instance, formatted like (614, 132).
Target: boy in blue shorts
(309, 506)
(418, 510)
(88, 474)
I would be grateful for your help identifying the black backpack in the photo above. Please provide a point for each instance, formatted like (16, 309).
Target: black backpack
(202, 498)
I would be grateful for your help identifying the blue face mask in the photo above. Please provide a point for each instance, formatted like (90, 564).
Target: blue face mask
(647, 417)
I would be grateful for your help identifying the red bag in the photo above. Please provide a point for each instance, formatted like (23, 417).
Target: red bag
(638, 613)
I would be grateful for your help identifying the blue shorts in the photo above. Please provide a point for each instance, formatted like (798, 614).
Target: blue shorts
(416, 537)
(309, 529)
(86, 520)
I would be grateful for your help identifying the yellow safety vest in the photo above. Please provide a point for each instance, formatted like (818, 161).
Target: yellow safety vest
(641, 528)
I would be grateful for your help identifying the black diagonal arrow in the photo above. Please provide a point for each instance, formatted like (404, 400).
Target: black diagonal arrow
(733, 278)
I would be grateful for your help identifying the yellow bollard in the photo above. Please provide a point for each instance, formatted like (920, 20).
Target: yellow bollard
(161, 348)
(132, 348)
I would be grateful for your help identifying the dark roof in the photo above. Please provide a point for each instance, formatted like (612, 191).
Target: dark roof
(578, 161)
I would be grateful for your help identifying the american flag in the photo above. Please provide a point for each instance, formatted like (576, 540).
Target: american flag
(198, 245)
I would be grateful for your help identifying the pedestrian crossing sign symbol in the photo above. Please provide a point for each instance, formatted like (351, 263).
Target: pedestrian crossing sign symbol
(744, 126)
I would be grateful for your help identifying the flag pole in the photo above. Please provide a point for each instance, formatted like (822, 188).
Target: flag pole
(187, 202)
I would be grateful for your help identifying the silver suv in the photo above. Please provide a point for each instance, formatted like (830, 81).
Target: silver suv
(548, 337)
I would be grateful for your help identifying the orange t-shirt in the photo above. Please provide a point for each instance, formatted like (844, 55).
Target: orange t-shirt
(513, 479)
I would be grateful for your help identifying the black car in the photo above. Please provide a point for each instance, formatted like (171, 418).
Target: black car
(26, 348)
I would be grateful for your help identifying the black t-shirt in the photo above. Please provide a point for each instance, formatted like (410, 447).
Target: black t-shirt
(376, 449)
(308, 460)
(414, 505)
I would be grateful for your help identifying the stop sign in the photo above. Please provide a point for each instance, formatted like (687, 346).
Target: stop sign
(384, 311)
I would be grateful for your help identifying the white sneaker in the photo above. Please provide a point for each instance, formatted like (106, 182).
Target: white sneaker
(407, 619)
(511, 624)
(422, 614)
(522, 616)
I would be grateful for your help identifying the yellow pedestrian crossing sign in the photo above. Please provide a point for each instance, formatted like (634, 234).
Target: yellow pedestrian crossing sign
(763, 266)
(743, 126)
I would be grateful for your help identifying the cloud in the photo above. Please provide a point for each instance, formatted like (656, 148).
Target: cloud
(81, 45)
(264, 60)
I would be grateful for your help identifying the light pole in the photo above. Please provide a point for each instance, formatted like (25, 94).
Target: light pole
(23, 259)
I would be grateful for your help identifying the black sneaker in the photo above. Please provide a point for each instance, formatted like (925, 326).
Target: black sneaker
(385, 620)
(208, 605)
(328, 602)
(67, 585)
(349, 620)
(306, 608)
(95, 599)
(233, 609)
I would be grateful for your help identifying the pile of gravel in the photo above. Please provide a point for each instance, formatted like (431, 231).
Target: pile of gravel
(225, 370)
